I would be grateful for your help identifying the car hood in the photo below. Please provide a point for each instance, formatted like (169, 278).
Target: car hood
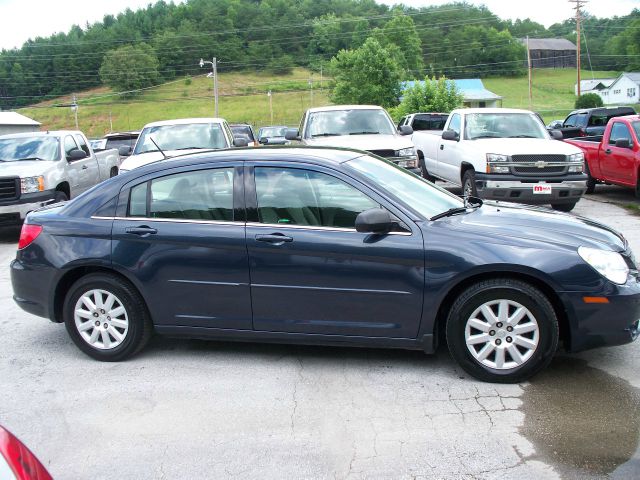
(135, 161)
(521, 222)
(362, 142)
(523, 146)
(25, 168)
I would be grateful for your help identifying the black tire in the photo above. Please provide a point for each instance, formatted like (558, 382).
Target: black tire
(563, 207)
(424, 171)
(60, 196)
(637, 189)
(514, 291)
(113, 172)
(469, 184)
(591, 182)
(139, 329)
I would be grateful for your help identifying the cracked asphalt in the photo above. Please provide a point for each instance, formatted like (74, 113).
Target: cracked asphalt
(200, 410)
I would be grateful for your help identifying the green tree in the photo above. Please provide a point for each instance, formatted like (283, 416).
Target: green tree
(589, 100)
(130, 68)
(432, 95)
(401, 31)
(370, 74)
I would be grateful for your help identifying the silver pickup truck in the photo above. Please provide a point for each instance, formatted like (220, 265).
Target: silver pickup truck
(38, 168)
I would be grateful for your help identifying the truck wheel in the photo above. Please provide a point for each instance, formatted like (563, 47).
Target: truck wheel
(563, 207)
(469, 184)
(424, 171)
(113, 172)
(637, 192)
(502, 330)
(60, 196)
(106, 317)
(591, 182)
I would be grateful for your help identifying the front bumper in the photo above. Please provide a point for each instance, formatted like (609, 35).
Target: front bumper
(15, 211)
(516, 189)
(596, 325)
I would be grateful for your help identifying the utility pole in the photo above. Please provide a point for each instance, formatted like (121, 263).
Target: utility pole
(320, 77)
(74, 106)
(271, 105)
(214, 73)
(311, 90)
(578, 5)
(529, 69)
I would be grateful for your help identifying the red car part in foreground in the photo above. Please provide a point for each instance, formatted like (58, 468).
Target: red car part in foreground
(16, 460)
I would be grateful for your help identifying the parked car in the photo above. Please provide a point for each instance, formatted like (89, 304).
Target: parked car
(323, 246)
(591, 121)
(17, 462)
(503, 154)
(168, 138)
(420, 122)
(615, 156)
(116, 140)
(274, 135)
(245, 130)
(38, 168)
(365, 127)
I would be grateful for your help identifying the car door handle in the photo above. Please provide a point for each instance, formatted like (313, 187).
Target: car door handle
(441, 146)
(607, 151)
(274, 238)
(143, 230)
(84, 167)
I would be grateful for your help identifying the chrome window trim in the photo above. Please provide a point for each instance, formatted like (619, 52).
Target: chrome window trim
(169, 220)
(315, 227)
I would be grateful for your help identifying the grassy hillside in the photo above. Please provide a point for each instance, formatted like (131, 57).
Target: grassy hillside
(243, 98)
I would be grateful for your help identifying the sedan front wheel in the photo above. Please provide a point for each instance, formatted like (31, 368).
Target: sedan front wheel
(502, 330)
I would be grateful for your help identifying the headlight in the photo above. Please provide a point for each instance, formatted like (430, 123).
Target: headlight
(406, 152)
(408, 163)
(32, 184)
(576, 157)
(493, 163)
(610, 265)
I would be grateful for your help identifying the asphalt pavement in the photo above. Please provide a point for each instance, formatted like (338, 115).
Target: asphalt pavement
(201, 410)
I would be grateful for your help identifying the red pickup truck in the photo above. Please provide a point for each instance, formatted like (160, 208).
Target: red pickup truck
(615, 156)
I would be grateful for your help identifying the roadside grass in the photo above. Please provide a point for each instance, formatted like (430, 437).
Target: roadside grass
(243, 98)
(633, 208)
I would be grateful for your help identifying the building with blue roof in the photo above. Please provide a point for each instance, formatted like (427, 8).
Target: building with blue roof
(473, 90)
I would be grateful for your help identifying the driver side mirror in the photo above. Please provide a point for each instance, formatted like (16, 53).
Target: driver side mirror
(374, 220)
(405, 130)
(450, 135)
(76, 154)
(263, 140)
(556, 134)
(124, 151)
(292, 134)
(623, 143)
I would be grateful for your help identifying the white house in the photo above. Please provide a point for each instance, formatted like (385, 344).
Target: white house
(598, 84)
(625, 90)
(13, 122)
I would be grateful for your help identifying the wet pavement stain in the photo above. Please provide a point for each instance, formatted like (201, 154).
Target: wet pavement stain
(583, 421)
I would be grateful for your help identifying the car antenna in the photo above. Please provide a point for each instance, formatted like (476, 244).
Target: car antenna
(159, 149)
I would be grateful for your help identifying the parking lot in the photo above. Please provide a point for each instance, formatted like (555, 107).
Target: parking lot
(195, 409)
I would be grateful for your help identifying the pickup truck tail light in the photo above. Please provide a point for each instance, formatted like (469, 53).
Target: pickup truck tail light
(28, 234)
(22, 463)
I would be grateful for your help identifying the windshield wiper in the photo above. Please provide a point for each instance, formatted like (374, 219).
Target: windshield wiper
(469, 202)
(485, 136)
(522, 136)
(325, 135)
(33, 158)
(193, 148)
(364, 133)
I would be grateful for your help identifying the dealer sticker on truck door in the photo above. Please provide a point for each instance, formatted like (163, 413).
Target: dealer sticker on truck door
(541, 188)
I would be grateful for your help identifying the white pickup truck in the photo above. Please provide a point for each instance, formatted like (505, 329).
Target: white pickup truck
(503, 154)
(363, 127)
(38, 168)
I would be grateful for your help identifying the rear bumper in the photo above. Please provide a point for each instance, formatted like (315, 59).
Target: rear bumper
(514, 189)
(31, 287)
(15, 211)
(597, 325)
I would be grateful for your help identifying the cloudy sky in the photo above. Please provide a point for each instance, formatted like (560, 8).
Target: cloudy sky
(24, 19)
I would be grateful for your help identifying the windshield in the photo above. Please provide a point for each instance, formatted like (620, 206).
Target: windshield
(349, 122)
(181, 137)
(270, 132)
(29, 148)
(503, 125)
(427, 199)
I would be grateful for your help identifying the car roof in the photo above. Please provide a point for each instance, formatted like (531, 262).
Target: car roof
(121, 134)
(330, 108)
(495, 110)
(603, 110)
(49, 133)
(184, 121)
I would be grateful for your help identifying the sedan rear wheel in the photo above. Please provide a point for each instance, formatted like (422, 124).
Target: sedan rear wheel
(106, 317)
(502, 330)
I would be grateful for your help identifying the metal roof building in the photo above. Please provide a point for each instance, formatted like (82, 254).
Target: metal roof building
(13, 122)
(551, 52)
(473, 90)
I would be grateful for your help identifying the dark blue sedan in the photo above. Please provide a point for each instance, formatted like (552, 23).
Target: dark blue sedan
(323, 246)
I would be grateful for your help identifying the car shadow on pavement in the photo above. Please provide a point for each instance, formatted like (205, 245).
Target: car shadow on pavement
(10, 234)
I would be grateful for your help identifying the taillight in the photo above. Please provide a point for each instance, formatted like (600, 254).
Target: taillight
(23, 463)
(28, 234)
